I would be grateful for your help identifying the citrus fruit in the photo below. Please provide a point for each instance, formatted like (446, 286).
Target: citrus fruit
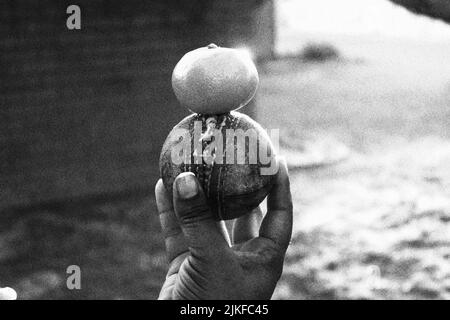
(214, 80)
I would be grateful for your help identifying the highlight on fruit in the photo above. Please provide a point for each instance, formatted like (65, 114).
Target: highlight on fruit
(214, 80)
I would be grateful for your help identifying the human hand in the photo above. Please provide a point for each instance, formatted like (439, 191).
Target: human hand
(7, 294)
(203, 264)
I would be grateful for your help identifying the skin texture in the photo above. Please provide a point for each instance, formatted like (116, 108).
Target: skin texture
(205, 262)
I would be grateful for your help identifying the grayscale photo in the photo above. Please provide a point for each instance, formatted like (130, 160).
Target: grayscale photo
(244, 151)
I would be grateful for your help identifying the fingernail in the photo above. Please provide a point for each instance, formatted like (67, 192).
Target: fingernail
(187, 185)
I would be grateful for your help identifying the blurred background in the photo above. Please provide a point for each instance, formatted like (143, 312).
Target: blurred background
(359, 89)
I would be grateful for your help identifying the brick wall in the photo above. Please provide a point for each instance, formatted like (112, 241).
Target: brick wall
(85, 112)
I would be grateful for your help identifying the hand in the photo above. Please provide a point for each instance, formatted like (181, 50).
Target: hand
(7, 294)
(203, 263)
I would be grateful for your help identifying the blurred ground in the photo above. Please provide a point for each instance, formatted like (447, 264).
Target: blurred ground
(374, 226)
(378, 224)
(116, 243)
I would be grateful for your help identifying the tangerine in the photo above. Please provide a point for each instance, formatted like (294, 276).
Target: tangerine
(214, 80)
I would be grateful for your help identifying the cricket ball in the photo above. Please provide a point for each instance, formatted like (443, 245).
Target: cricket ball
(231, 156)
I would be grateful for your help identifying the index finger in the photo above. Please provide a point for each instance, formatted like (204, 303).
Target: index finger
(174, 239)
(277, 224)
(246, 227)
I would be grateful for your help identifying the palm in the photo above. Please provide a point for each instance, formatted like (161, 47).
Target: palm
(252, 265)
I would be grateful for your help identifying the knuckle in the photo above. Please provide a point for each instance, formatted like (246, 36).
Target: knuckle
(171, 231)
(194, 213)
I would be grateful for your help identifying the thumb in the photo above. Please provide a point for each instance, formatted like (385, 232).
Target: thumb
(202, 232)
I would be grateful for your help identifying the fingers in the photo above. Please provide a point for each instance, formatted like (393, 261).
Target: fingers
(247, 227)
(223, 228)
(174, 238)
(277, 224)
(167, 288)
(202, 232)
(8, 294)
